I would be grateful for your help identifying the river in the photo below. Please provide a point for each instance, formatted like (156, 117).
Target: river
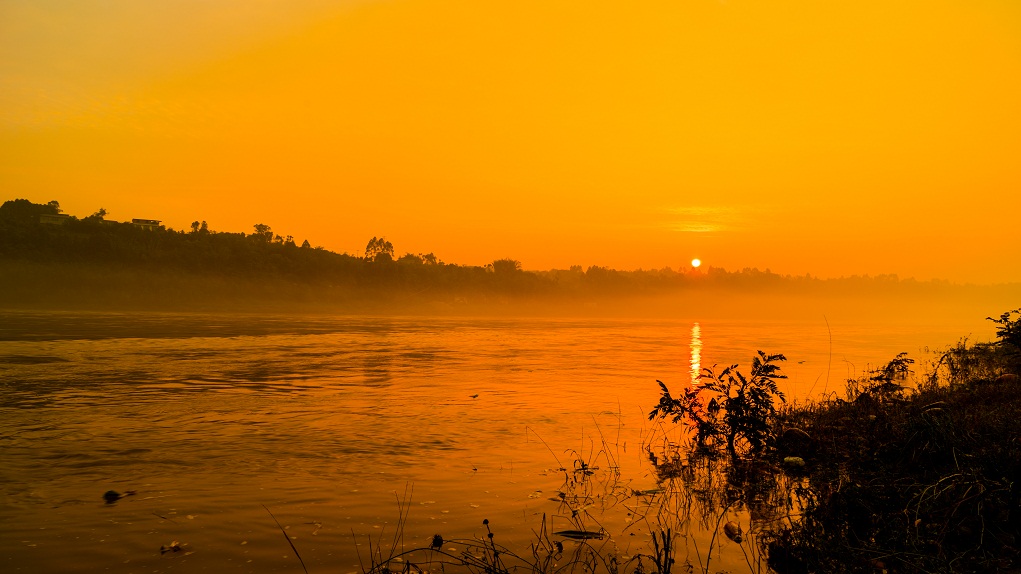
(338, 425)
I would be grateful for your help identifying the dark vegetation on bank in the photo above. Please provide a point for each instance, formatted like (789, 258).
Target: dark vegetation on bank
(905, 473)
(57, 261)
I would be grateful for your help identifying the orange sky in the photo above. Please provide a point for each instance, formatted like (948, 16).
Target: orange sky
(823, 137)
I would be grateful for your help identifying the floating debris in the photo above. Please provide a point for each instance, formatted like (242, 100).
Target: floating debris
(174, 546)
(647, 492)
(581, 534)
(112, 496)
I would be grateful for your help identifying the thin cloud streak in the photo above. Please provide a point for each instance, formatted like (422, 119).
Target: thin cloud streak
(704, 218)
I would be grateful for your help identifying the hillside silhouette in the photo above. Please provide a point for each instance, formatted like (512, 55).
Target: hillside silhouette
(55, 260)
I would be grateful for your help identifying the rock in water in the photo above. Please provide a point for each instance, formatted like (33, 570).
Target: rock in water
(733, 531)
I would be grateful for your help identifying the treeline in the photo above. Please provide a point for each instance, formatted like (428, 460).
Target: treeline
(37, 241)
(258, 256)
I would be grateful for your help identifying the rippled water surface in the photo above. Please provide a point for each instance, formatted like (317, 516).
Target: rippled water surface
(328, 422)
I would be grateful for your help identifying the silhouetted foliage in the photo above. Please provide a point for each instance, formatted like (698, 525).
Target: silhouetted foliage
(379, 248)
(98, 215)
(883, 383)
(263, 232)
(898, 478)
(23, 211)
(506, 266)
(920, 480)
(1008, 330)
(729, 408)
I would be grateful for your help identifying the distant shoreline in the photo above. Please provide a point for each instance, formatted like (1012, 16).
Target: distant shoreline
(52, 261)
(58, 286)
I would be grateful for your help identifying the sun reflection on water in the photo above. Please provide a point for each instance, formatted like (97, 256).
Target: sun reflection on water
(696, 352)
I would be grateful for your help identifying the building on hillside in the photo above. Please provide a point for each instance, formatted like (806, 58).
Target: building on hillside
(54, 218)
(146, 223)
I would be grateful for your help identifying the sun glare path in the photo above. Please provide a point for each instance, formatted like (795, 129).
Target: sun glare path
(696, 352)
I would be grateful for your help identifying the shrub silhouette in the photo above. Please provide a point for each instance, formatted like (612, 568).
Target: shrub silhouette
(739, 409)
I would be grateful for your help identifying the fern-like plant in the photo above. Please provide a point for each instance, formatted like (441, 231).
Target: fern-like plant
(729, 408)
(1008, 329)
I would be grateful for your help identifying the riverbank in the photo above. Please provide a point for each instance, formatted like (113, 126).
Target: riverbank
(909, 480)
(905, 472)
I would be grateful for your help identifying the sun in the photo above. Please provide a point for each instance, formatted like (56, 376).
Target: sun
(696, 262)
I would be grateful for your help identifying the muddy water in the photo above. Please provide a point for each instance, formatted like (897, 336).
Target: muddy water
(335, 424)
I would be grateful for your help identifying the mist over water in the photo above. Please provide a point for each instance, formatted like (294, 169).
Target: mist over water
(324, 419)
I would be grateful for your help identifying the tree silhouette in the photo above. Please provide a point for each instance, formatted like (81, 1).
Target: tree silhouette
(25, 211)
(98, 216)
(378, 246)
(263, 232)
(506, 266)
